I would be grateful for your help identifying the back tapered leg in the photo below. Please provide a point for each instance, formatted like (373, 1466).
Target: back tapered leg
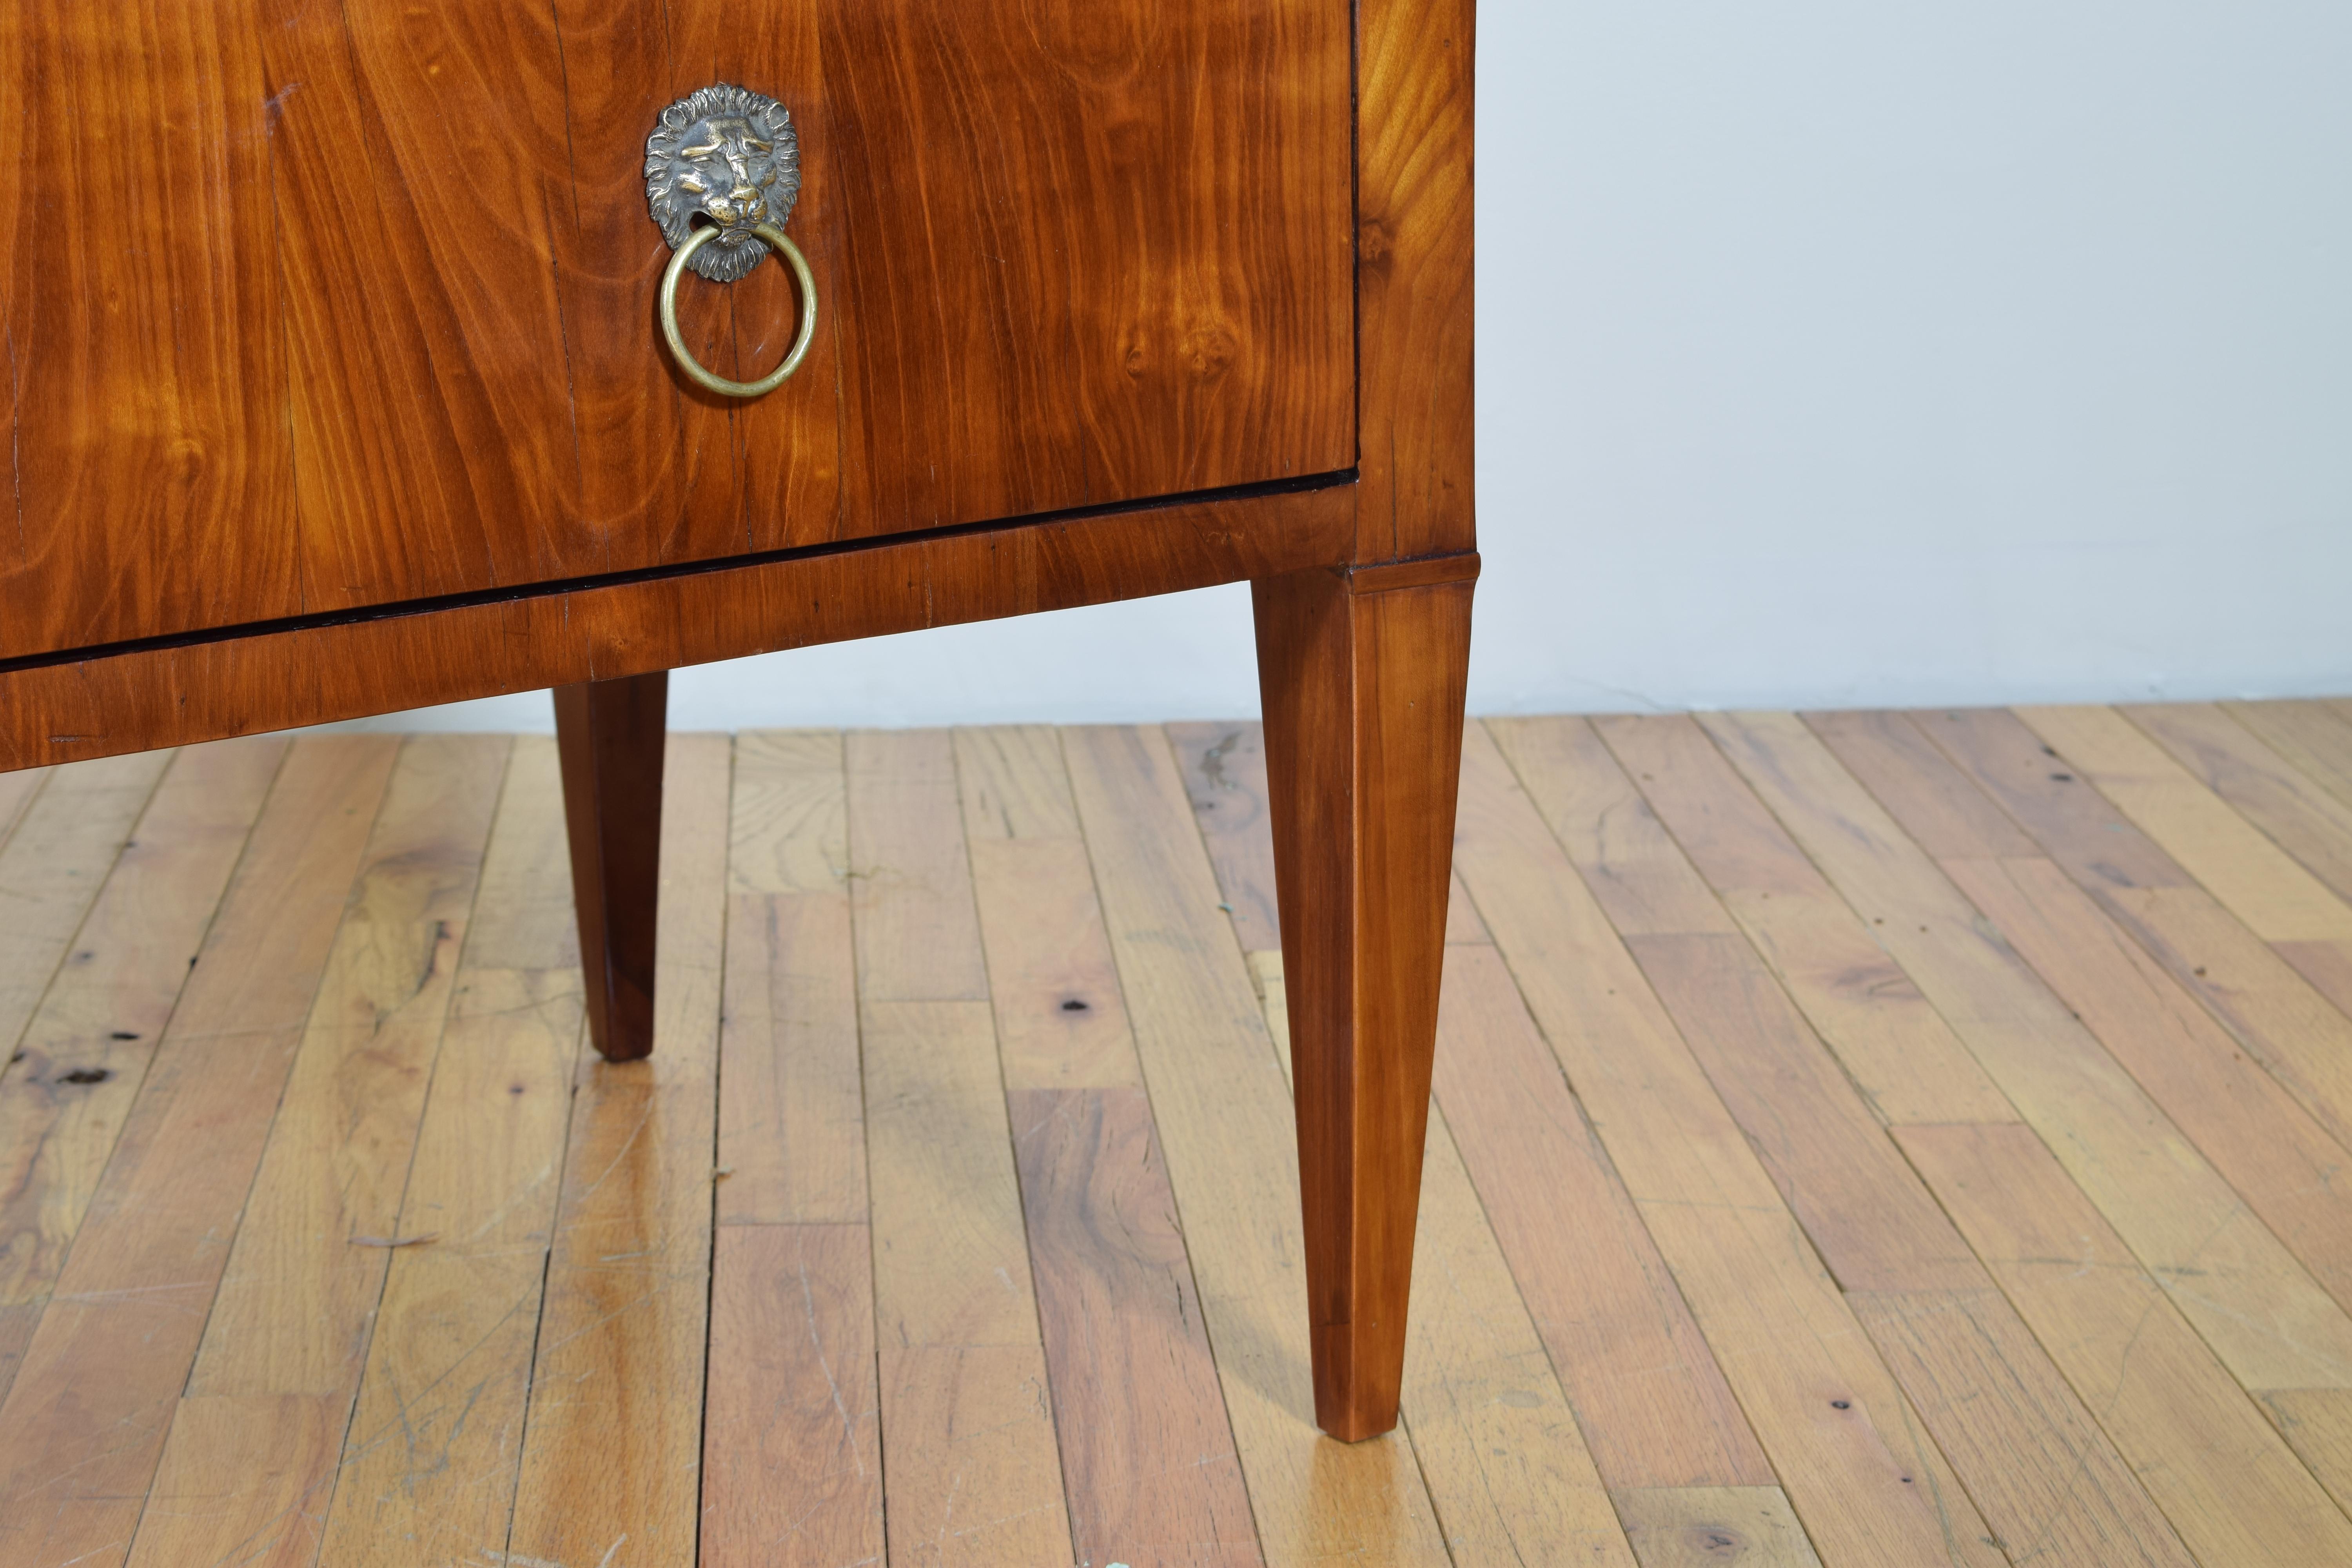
(610, 734)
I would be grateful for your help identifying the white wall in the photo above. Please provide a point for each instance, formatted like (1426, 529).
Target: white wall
(1834, 353)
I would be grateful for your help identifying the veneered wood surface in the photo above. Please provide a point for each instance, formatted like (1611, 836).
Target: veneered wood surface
(374, 321)
(150, 461)
(610, 734)
(1363, 696)
(135, 699)
(1414, 64)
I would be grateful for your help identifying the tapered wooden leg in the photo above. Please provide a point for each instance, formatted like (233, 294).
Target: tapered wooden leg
(610, 735)
(1362, 675)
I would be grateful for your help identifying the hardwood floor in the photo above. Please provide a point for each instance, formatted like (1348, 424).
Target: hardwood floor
(1859, 1140)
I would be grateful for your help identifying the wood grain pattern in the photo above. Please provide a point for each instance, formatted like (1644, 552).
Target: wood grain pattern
(2048, 1479)
(791, 806)
(2314, 735)
(152, 482)
(1225, 776)
(416, 160)
(2227, 854)
(1497, 1439)
(968, 1429)
(2275, 1154)
(16, 792)
(621, 1341)
(1865, 1211)
(792, 1444)
(1061, 1021)
(791, 1468)
(791, 1131)
(1010, 780)
(2276, 1012)
(949, 1265)
(1175, 315)
(298, 1298)
(1415, 102)
(610, 734)
(1225, 1119)
(792, 1134)
(2317, 1423)
(910, 892)
(1148, 1457)
(2230, 1486)
(1647, 1392)
(80, 1062)
(133, 1297)
(133, 699)
(971, 1457)
(1873, 1220)
(1500, 1447)
(1713, 1526)
(403, 344)
(1903, 1056)
(1363, 697)
(339, 1151)
(2296, 811)
(2272, 1325)
(50, 874)
(429, 1466)
(1843, 1440)
(1897, 762)
(244, 1478)
(2254, 878)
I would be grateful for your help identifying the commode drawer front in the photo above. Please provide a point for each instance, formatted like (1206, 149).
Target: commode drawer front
(323, 304)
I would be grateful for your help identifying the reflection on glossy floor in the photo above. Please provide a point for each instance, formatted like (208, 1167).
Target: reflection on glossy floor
(1863, 1139)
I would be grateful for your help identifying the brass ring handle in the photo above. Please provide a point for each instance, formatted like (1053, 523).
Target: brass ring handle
(685, 362)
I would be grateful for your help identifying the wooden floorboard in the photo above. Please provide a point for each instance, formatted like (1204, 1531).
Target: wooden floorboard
(1858, 1139)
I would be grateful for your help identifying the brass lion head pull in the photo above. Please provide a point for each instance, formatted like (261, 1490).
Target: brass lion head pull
(731, 156)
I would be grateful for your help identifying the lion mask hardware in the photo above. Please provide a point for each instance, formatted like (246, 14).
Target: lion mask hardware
(730, 154)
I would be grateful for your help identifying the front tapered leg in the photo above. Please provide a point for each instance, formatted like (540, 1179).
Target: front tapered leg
(610, 733)
(1362, 677)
